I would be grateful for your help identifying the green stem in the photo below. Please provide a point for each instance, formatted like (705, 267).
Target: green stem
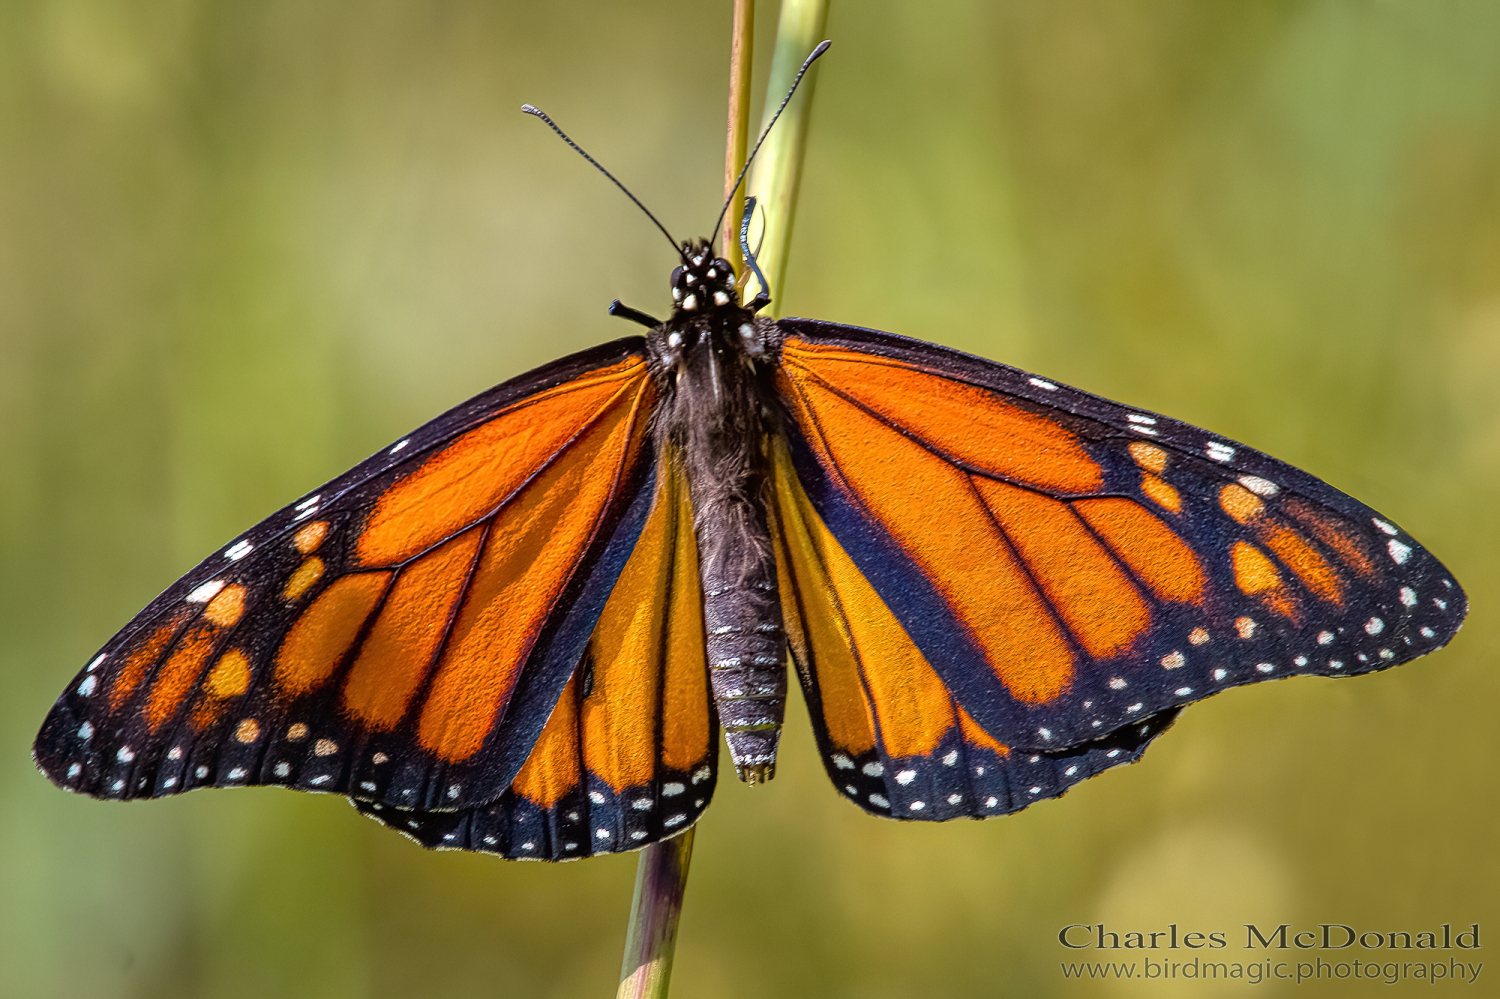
(778, 167)
(661, 873)
(660, 881)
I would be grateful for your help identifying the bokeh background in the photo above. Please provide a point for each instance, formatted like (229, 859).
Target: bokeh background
(242, 245)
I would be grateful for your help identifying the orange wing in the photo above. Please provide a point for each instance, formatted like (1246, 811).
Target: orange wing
(402, 634)
(1063, 567)
(892, 736)
(629, 753)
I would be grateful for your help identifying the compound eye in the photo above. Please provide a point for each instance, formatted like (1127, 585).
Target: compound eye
(676, 275)
(722, 266)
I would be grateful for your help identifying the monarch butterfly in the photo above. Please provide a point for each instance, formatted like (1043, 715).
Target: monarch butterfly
(519, 629)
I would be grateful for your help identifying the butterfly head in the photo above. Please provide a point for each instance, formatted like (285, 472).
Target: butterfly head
(703, 283)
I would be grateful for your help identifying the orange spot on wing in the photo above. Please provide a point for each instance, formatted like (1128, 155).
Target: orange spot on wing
(1310, 567)
(140, 660)
(971, 425)
(302, 580)
(230, 676)
(1253, 571)
(933, 511)
(976, 736)
(855, 638)
(1255, 575)
(476, 473)
(1083, 583)
(310, 537)
(1161, 493)
(178, 674)
(1240, 503)
(395, 657)
(226, 609)
(324, 632)
(1161, 559)
(1148, 456)
(552, 770)
(533, 547)
(1344, 540)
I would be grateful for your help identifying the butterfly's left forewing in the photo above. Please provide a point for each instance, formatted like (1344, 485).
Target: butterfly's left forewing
(1069, 566)
(629, 752)
(402, 634)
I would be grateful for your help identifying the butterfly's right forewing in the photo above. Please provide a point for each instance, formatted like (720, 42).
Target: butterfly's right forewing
(402, 634)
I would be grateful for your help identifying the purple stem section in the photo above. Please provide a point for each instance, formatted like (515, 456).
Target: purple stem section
(660, 882)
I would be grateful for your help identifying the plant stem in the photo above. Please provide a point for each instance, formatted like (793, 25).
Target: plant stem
(660, 881)
(662, 871)
(778, 167)
(741, 57)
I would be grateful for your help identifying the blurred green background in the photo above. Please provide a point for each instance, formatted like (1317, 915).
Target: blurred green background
(244, 244)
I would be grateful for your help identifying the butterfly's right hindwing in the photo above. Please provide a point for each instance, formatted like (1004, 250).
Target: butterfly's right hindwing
(629, 754)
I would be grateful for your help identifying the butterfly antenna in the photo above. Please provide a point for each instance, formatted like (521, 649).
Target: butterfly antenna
(763, 299)
(806, 65)
(538, 112)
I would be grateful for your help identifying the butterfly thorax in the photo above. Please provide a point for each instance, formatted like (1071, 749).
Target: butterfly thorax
(714, 363)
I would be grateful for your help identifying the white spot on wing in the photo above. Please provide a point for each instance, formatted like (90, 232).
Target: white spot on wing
(1384, 527)
(1218, 451)
(1259, 486)
(1042, 383)
(873, 769)
(207, 591)
(1374, 626)
(906, 776)
(1138, 418)
(97, 660)
(1399, 552)
(673, 789)
(125, 755)
(879, 801)
(238, 550)
(86, 688)
(1408, 596)
(399, 445)
(1174, 660)
(842, 762)
(85, 731)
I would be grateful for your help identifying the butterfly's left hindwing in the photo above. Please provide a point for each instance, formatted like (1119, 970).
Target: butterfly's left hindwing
(629, 754)
(402, 634)
(1069, 566)
(893, 738)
